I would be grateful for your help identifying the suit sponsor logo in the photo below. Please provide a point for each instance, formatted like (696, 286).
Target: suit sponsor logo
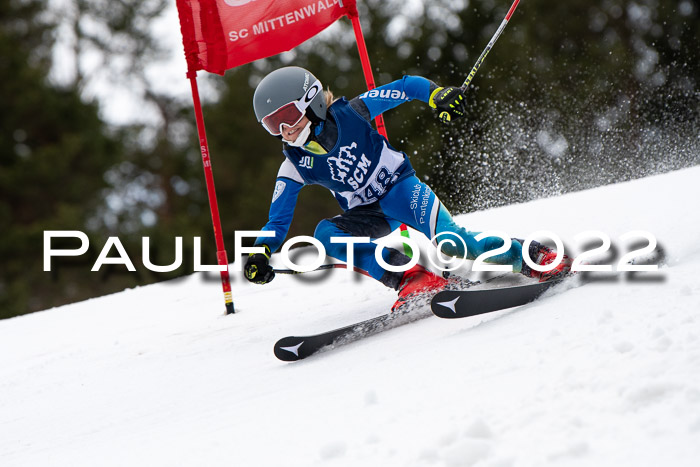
(279, 189)
(421, 200)
(306, 162)
(347, 168)
(393, 94)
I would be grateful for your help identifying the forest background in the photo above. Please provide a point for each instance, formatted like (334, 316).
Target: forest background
(94, 135)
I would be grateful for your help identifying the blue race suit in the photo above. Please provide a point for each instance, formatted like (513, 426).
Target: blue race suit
(374, 184)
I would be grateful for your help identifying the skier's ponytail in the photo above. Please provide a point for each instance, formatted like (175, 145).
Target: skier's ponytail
(330, 98)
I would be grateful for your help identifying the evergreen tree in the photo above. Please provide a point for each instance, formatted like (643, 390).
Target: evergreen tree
(53, 152)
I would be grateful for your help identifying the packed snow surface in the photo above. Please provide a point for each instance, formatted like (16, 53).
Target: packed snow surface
(605, 374)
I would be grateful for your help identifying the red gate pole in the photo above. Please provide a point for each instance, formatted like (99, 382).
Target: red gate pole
(366, 67)
(221, 258)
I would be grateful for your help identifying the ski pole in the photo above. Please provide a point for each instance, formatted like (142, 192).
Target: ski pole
(444, 116)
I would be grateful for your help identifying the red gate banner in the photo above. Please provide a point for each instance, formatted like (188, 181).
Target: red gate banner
(222, 34)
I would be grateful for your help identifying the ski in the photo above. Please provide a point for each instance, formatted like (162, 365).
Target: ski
(472, 302)
(445, 304)
(293, 348)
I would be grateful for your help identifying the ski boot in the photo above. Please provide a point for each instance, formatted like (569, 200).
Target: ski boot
(418, 284)
(542, 256)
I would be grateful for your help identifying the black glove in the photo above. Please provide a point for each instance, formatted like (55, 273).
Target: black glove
(258, 269)
(449, 102)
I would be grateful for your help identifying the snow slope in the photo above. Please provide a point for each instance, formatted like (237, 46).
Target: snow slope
(607, 374)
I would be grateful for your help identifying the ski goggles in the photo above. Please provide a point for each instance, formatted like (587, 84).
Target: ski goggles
(292, 113)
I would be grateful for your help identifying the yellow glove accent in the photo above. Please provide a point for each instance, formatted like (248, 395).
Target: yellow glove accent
(251, 272)
(431, 101)
(266, 252)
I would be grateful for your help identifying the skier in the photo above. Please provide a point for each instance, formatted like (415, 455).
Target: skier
(331, 142)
